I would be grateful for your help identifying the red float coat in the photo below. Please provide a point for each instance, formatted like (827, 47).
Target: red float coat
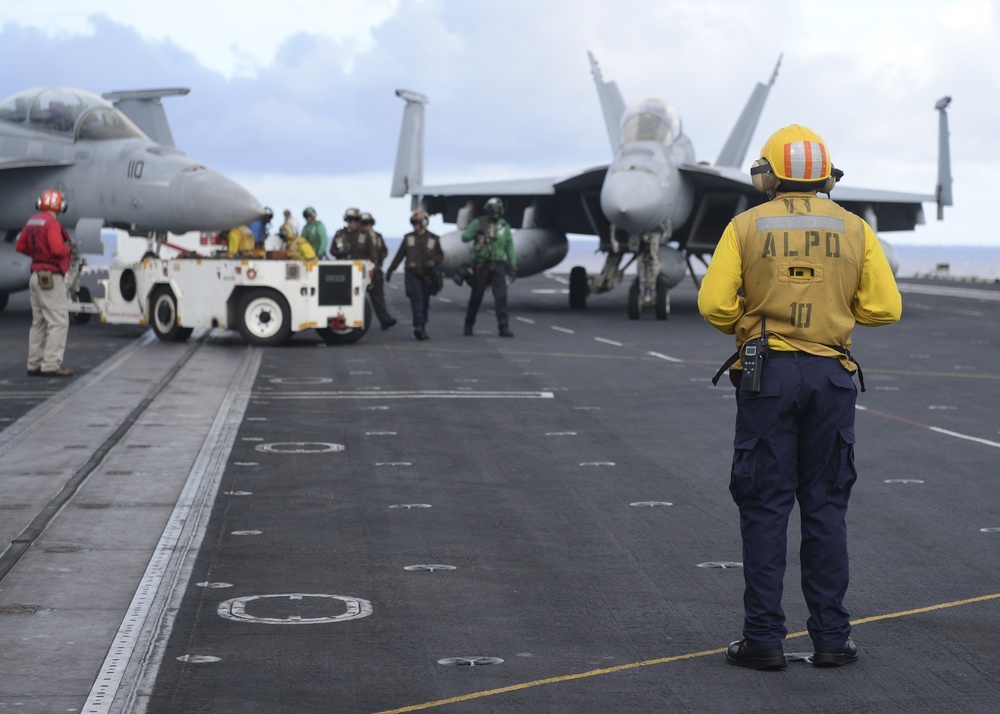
(47, 242)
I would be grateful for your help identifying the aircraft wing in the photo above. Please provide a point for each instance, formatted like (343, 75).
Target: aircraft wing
(722, 192)
(570, 203)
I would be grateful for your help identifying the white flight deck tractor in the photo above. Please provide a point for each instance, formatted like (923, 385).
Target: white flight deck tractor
(266, 300)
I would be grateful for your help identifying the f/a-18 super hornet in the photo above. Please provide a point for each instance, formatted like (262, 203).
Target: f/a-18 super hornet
(654, 205)
(116, 166)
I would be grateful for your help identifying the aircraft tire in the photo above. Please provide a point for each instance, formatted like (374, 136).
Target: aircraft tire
(578, 288)
(348, 336)
(163, 316)
(634, 308)
(82, 295)
(662, 298)
(263, 318)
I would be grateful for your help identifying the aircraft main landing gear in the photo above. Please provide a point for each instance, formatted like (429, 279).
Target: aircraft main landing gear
(578, 288)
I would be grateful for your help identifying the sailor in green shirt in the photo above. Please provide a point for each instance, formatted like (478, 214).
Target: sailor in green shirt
(314, 231)
(493, 259)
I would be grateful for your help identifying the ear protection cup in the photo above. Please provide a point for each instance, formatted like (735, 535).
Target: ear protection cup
(835, 176)
(762, 177)
(420, 215)
(47, 201)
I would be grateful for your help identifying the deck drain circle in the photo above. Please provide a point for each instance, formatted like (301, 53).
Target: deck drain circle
(299, 447)
(430, 567)
(236, 609)
(721, 564)
(470, 661)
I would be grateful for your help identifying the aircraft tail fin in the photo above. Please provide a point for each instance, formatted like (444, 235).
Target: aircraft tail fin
(408, 175)
(735, 149)
(944, 158)
(143, 107)
(612, 104)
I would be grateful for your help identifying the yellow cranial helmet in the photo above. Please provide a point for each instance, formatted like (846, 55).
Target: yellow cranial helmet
(794, 153)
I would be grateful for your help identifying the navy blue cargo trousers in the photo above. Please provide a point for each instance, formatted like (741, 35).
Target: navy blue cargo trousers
(419, 292)
(795, 440)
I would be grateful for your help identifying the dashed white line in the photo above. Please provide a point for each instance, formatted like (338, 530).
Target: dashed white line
(525, 319)
(946, 432)
(420, 394)
(976, 439)
(563, 329)
(616, 343)
(668, 358)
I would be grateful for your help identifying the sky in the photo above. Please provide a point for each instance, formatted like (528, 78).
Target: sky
(297, 102)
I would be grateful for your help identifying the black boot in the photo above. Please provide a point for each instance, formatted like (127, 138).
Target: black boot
(419, 333)
(505, 331)
(468, 329)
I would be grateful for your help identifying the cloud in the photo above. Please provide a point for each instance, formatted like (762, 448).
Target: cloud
(307, 89)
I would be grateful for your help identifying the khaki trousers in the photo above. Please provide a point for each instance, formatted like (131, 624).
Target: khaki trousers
(49, 324)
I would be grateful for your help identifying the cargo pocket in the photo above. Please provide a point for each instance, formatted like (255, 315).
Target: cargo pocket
(743, 480)
(847, 473)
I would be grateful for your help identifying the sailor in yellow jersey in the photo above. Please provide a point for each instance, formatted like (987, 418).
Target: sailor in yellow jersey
(790, 278)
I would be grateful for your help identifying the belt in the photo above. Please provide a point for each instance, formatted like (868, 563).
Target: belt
(771, 354)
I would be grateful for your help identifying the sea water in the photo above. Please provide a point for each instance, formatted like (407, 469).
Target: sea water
(965, 262)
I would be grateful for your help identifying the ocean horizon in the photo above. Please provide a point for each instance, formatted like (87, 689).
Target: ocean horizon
(965, 262)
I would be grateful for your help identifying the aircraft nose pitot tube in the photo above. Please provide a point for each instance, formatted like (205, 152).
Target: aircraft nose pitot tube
(203, 200)
(632, 200)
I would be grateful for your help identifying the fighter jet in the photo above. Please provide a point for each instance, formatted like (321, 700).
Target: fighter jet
(654, 205)
(112, 172)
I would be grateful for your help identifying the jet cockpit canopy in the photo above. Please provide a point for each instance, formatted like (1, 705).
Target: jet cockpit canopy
(73, 112)
(650, 119)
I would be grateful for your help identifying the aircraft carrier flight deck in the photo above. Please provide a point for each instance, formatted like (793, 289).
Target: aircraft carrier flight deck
(476, 524)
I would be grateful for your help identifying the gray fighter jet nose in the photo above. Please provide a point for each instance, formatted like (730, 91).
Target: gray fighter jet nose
(632, 200)
(203, 200)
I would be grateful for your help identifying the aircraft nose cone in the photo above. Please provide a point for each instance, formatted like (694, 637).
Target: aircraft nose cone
(632, 200)
(203, 200)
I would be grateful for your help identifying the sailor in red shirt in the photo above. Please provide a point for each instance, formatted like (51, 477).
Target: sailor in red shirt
(46, 241)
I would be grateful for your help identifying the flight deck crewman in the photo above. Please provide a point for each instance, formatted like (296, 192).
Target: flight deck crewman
(290, 225)
(423, 254)
(297, 247)
(240, 242)
(358, 240)
(493, 259)
(809, 271)
(314, 231)
(46, 241)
